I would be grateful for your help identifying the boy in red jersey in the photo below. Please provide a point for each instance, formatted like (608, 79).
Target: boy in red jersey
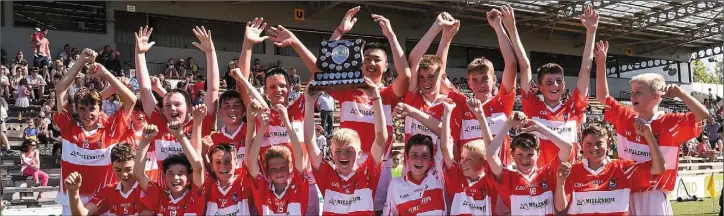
(180, 196)
(670, 130)
(283, 187)
(227, 191)
(346, 187)
(529, 189)
(602, 186)
(120, 198)
(87, 133)
(564, 117)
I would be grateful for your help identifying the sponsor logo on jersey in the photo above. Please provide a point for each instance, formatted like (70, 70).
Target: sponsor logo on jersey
(534, 205)
(87, 157)
(596, 201)
(347, 202)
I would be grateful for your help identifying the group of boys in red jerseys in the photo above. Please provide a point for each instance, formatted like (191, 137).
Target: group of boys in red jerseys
(459, 158)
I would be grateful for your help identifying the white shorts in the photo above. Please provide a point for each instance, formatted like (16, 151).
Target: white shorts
(650, 203)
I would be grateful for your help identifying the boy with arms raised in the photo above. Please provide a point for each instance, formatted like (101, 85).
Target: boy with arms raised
(347, 188)
(566, 118)
(529, 190)
(120, 198)
(599, 185)
(87, 133)
(180, 195)
(669, 129)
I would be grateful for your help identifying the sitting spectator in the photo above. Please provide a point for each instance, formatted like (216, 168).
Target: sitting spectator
(192, 67)
(113, 64)
(59, 68)
(3, 57)
(712, 130)
(279, 64)
(30, 164)
(44, 134)
(65, 54)
(4, 82)
(18, 60)
(199, 98)
(181, 68)
(294, 77)
(36, 82)
(104, 55)
(295, 93)
(171, 69)
(111, 105)
(164, 83)
(4, 143)
(704, 149)
(30, 132)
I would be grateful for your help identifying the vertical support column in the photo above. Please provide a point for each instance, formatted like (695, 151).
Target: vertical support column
(678, 66)
(618, 68)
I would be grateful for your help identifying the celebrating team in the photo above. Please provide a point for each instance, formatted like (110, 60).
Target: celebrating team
(459, 158)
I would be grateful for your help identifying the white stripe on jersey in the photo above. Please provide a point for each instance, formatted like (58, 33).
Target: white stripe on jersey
(413, 127)
(292, 209)
(464, 204)
(240, 153)
(358, 112)
(151, 163)
(339, 203)
(279, 135)
(471, 127)
(532, 205)
(568, 130)
(630, 150)
(76, 155)
(233, 210)
(600, 202)
(165, 148)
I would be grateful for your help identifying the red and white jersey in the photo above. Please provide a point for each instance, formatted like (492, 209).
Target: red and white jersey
(414, 127)
(236, 138)
(88, 152)
(234, 200)
(113, 201)
(133, 138)
(357, 113)
(351, 194)
(529, 195)
(159, 201)
(166, 144)
(293, 201)
(406, 197)
(469, 198)
(670, 129)
(496, 111)
(276, 131)
(565, 119)
(605, 191)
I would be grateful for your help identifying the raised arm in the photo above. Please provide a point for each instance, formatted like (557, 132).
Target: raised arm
(252, 36)
(282, 37)
(252, 159)
(523, 61)
(212, 67)
(560, 201)
(348, 22)
(601, 77)
(422, 46)
(506, 48)
(403, 110)
(380, 143)
(248, 92)
(197, 167)
(144, 79)
(590, 21)
(61, 90)
(564, 146)
(476, 107)
(149, 133)
(399, 86)
(699, 110)
(127, 96)
(658, 165)
(315, 154)
(297, 150)
(446, 143)
(494, 148)
(72, 185)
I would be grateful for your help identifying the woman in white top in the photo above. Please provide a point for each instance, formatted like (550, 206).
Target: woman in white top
(30, 164)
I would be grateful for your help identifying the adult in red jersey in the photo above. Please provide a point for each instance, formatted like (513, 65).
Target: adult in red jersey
(528, 190)
(120, 198)
(87, 134)
(565, 117)
(282, 188)
(176, 103)
(346, 187)
(599, 185)
(180, 195)
(356, 108)
(670, 130)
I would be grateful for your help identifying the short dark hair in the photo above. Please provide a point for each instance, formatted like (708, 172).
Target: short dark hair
(229, 95)
(43, 29)
(138, 106)
(395, 153)
(525, 141)
(122, 152)
(375, 45)
(176, 159)
(88, 97)
(419, 139)
(595, 129)
(222, 147)
(58, 76)
(550, 68)
(183, 93)
(277, 71)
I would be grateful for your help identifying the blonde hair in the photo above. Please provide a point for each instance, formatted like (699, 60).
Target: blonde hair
(346, 136)
(652, 80)
(480, 65)
(278, 151)
(476, 147)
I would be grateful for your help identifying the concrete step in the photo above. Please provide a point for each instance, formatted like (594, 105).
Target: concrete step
(29, 189)
(27, 181)
(16, 172)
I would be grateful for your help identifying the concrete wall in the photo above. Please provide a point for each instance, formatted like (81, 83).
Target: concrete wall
(405, 26)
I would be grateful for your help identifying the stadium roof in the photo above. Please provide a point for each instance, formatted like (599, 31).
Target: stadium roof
(646, 26)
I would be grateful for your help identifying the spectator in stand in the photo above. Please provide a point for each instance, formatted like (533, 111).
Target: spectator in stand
(294, 77)
(43, 45)
(43, 132)
(279, 64)
(321, 137)
(171, 69)
(325, 104)
(65, 54)
(30, 164)
(191, 66)
(4, 82)
(72, 58)
(30, 132)
(36, 82)
(104, 55)
(712, 130)
(295, 93)
(4, 143)
(199, 85)
(704, 149)
(396, 164)
(181, 68)
(111, 105)
(164, 83)
(21, 100)
(34, 39)
(113, 64)
(234, 63)
(18, 61)
(3, 57)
